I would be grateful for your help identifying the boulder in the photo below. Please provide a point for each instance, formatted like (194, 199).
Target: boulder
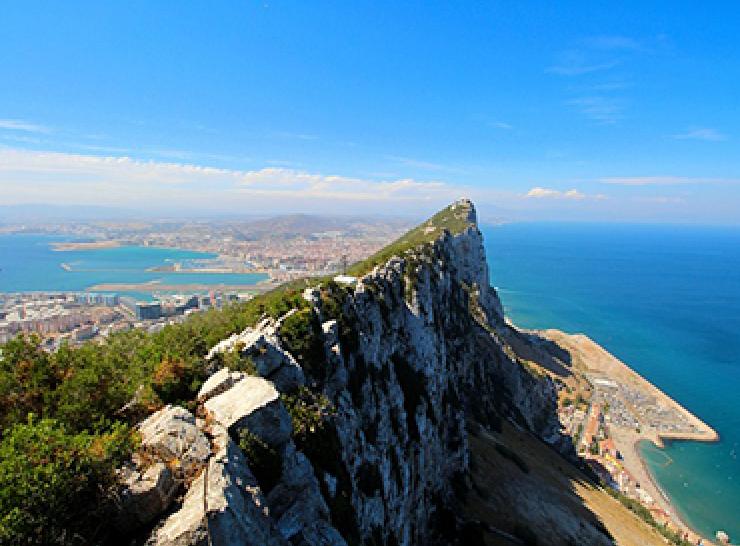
(170, 436)
(144, 496)
(224, 506)
(253, 404)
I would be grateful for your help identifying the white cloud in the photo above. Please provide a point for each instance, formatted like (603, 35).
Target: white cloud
(549, 193)
(665, 180)
(501, 125)
(540, 193)
(602, 109)
(279, 181)
(20, 125)
(32, 176)
(708, 134)
(574, 194)
(576, 63)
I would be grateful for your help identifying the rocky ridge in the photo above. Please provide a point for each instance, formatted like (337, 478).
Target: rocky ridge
(409, 358)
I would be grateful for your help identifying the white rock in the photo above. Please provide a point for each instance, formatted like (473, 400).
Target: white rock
(224, 506)
(252, 403)
(170, 436)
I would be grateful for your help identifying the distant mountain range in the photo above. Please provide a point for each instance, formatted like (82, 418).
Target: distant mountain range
(11, 214)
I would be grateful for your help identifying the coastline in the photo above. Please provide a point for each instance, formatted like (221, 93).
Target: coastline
(592, 359)
(671, 509)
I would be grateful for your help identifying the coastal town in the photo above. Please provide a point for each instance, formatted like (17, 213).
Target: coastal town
(76, 317)
(608, 410)
(280, 249)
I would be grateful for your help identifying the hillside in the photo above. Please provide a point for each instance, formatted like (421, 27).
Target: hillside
(395, 410)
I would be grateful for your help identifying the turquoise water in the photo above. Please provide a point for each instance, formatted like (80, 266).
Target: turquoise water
(27, 263)
(665, 300)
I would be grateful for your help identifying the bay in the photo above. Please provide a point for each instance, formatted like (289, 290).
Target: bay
(28, 263)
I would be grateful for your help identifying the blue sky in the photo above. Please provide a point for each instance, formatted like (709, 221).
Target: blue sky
(537, 110)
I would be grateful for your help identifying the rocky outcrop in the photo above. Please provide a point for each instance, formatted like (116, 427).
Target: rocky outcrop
(262, 346)
(224, 506)
(252, 404)
(218, 383)
(173, 451)
(170, 436)
(416, 353)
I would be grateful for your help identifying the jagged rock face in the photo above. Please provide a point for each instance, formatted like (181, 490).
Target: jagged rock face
(173, 451)
(415, 354)
(262, 345)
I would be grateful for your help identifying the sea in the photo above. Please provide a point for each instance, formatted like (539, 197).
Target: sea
(29, 264)
(666, 301)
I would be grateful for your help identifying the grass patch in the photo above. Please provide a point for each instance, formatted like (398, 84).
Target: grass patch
(644, 514)
(301, 335)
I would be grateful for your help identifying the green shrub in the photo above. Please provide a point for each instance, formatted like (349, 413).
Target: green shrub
(309, 412)
(53, 483)
(235, 361)
(301, 335)
(332, 299)
(264, 461)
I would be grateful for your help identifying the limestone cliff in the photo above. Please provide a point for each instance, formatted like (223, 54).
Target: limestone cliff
(408, 358)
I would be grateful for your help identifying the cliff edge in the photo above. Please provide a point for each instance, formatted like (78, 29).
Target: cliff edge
(365, 412)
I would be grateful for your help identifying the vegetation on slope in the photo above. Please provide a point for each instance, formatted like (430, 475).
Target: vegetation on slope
(453, 219)
(62, 418)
